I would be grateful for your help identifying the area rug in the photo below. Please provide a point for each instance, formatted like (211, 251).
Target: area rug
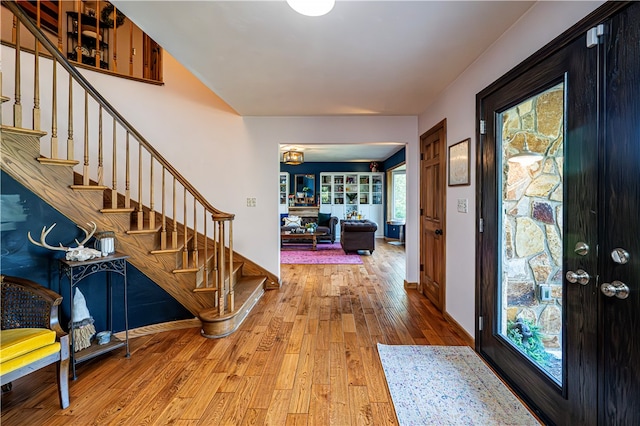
(326, 254)
(448, 385)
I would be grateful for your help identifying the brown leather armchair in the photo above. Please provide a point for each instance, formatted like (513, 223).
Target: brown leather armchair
(358, 235)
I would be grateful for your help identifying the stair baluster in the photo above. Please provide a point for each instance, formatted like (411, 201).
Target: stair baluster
(85, 149)
(174, 233)
(54, 110)
(195, 235)
(114, 170)
(100, 153)
(17, 106)
(70, 148)
(36, 82)
(185, 232)
(140, 214)
(152, 215)
(163, 232)
(206, 271)
(127, 172)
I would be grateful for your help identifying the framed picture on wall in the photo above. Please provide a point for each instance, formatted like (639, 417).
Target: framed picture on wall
(459, 163)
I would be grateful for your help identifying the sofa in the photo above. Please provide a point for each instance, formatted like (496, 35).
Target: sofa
(326, 224)
(358, 235)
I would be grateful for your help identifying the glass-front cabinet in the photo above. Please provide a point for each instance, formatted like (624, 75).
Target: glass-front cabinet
(283, 190)
(353, 195)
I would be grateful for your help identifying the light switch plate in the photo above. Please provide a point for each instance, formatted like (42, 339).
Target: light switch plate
(463, 205)
(251, 202)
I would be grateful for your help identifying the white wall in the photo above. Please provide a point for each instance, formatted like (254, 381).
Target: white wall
(541, 24)
(229, 158)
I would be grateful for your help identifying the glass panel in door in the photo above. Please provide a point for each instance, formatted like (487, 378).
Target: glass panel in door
(530, 293)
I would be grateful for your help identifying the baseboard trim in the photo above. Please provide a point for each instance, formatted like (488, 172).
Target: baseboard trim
(159, 328)
(411, 285)
(468, 339)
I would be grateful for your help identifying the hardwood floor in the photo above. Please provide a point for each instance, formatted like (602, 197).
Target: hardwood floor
(306, 355)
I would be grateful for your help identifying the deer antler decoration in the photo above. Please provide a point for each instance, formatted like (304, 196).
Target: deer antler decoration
(78, 253)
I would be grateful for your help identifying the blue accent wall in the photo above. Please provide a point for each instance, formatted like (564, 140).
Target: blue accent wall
(337, 167)
(21, 211)
(320, 167)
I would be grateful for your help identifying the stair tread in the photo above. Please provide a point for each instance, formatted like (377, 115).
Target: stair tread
(117, 210)
(57, 161)
(244, 288)
(144, 231)
(22, 130)
(89, 187)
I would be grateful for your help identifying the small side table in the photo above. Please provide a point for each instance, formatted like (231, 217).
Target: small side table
(76, 271)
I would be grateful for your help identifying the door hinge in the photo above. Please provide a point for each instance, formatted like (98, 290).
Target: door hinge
(421, 212)
(421, 267)
(483, 127)
(479, 323)
(593, 34)
(421, 156)
(481, 225)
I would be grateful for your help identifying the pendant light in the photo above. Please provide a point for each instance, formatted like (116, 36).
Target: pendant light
(525, 156)
(293, 158)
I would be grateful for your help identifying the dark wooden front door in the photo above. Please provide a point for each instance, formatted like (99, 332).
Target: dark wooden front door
(620, 227)
(559, 269)
(432, 214)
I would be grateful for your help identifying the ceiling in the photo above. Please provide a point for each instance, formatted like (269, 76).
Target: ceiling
(363, 58)
(331, 153)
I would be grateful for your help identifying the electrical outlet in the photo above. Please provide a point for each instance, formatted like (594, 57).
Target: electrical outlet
(251, 202)
(544, 293)
(463, 205)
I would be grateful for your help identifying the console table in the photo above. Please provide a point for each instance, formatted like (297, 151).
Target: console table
(76, 271)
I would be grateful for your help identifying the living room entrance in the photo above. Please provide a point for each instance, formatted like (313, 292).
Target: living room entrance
(337, 202)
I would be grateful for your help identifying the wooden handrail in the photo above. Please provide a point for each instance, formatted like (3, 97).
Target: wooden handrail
(215, 274)
(82, 81)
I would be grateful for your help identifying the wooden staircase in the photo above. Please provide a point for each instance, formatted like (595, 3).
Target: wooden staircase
(197, 266)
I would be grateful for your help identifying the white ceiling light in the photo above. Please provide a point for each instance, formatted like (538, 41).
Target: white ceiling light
(312, 7)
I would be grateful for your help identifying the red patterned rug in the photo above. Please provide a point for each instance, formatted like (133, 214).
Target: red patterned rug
(327, 254)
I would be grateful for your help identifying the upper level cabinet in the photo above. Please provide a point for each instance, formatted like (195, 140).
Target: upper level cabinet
(87, 39)
(283, 190)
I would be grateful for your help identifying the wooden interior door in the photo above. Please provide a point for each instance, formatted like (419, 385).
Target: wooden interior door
(432, 214)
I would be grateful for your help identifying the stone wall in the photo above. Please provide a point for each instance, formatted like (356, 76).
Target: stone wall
(532, 214)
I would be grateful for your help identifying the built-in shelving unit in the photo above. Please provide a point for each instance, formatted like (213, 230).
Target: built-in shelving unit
(346, 194)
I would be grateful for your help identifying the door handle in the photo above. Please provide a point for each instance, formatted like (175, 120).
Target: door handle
(580, 277)
(438, 231)
(616, 288)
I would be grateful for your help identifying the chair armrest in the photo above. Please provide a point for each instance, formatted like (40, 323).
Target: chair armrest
(26, 304)
(333, 221)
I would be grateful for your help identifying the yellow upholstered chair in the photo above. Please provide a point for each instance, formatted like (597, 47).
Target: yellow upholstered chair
(30, 336)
